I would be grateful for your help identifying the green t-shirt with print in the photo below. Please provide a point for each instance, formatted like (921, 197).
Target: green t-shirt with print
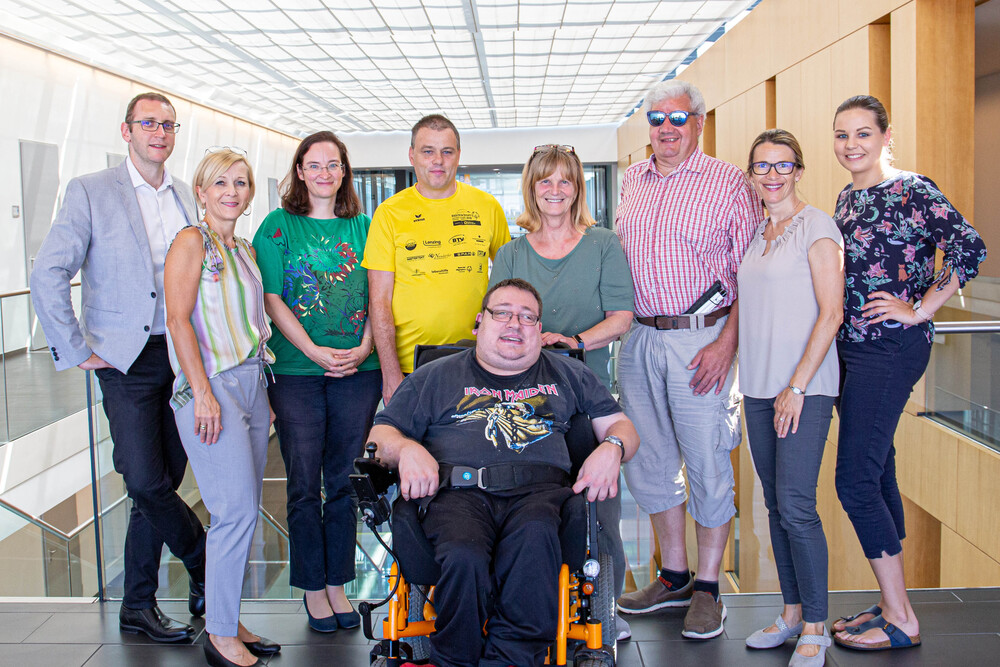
(315, 265)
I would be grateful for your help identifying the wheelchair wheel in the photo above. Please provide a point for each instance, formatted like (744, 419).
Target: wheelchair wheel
(421, 645)
(603, 603)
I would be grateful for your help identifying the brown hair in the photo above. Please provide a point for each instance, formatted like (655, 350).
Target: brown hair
(779, 138)
(434, 121)
(295, 195)
(155, 97)
(520, 284)
(872, 104)
(217, 163)
(543, 163)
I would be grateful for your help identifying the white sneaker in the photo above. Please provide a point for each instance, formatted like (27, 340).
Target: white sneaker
(624, 631)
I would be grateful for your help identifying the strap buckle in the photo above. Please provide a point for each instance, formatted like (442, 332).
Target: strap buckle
(465, 477)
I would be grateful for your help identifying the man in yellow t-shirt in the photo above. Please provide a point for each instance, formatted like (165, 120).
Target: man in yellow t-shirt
(428, 254)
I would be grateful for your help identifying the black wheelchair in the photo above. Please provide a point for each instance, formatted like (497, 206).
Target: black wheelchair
(586, 607)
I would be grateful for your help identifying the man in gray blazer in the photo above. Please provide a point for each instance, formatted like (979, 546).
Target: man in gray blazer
(116, 226)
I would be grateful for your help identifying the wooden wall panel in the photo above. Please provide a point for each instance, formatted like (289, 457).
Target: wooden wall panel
(963, 565)
(934, 487)
(979, 521)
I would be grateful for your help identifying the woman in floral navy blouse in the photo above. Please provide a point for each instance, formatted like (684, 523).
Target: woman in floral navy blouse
(892, 222)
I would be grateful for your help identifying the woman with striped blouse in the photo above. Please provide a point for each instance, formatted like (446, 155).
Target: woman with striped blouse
(217, 334)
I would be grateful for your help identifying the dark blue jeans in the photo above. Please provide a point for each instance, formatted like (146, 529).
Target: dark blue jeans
(148, 454)
(877, 377)
(322, 423)
(788, 469)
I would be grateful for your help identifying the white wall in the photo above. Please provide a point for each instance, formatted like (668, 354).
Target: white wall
(593, 143)
(52, 99)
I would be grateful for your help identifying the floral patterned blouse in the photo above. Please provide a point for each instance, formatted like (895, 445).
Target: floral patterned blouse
(890, 233)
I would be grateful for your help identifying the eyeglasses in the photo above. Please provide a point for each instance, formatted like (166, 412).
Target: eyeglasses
(527, 319)
(234, 149)
(676, 118)
(314, 168)
(545, 148)
(764, 168)
(169, 126)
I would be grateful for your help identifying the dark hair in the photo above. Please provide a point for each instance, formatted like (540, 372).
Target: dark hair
(513, 282)
(155, 97)
(779, 138)
(867, 103)
(295, 195)
(435, 121)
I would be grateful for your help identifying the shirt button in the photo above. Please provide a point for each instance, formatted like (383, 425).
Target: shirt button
(152, 294)
(145, 328)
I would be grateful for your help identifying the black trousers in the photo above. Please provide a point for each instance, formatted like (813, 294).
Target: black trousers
(148, 454)
(500, 549)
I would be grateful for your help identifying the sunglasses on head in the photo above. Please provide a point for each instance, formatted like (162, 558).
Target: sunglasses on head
(676, 118)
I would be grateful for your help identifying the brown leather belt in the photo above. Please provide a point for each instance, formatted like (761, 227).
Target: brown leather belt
(666, 322)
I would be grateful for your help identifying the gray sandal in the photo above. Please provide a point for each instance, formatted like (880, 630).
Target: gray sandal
(818, 660)
(761, 639)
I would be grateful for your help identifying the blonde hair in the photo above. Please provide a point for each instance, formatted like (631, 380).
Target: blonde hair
(543, 163)
(215, 164)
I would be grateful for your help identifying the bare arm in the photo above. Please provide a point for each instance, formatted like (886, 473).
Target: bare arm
(380, 287)
(181, 275)
(614, 324)
(418, 470)
(826, 264)
(714, 360)
(599, 473)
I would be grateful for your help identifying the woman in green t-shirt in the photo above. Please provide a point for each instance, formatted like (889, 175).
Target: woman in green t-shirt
(327, 378)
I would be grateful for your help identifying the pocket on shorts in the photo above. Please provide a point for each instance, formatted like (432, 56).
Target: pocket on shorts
(730, 429)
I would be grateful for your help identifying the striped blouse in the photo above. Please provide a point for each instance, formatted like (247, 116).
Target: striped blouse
(228, 316)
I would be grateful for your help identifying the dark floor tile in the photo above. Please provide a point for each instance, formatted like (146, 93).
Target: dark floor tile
(293, 629)
(46, 655)
(977, 594)
(662, 625)
(867, 598)
(84, 628)
(742, 622)
(935, 650)
(321, 656)
(717, 651)
(16, 627)
(148, 656)
(960, 619)
(752, 600)
(628, 655)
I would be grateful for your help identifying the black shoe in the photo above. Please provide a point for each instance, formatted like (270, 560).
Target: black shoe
(157, 625)
(216, 659)
(262, 647)
(196, 592)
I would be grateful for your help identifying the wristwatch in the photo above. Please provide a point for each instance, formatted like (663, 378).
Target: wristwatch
(796, 390)
(921, 313)
(615, 440)
(579, 342)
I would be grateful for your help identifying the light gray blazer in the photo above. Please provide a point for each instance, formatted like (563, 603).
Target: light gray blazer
(99, 229)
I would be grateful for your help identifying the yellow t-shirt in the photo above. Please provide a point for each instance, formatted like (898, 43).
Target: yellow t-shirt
(439, 250)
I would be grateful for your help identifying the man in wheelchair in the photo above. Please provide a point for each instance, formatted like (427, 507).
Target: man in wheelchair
(478, 439)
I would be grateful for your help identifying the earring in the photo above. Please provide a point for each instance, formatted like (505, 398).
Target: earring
(247, 211)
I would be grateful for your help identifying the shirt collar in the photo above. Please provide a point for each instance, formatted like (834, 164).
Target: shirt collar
(695, 163)
(139, 181)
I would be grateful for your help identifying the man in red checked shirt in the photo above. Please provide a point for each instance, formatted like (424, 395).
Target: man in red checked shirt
(685, 219)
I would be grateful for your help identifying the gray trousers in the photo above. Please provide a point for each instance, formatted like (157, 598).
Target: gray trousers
(788, 469)
(230, 476)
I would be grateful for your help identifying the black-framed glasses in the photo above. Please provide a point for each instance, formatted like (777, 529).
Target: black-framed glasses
(169, 126)
(764, 168)
(527, 319)
(234, 149)
(545, 148)
(316, 168)
(676, 118)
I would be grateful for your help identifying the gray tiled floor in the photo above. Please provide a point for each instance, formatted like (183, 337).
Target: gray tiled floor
(959, 627)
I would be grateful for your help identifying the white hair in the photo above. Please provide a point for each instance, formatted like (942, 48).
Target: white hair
(666, 90)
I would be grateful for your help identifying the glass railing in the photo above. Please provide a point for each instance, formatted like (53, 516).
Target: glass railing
(962, 384)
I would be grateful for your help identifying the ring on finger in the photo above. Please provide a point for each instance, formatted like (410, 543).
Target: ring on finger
(203, 427)
(781, 419)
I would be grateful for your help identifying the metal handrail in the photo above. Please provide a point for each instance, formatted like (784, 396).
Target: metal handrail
(982, 326)
(56, 532)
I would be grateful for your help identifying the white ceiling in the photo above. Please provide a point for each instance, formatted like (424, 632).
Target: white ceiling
(363, 65)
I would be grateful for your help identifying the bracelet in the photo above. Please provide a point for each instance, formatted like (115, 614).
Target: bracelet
(919, 310)
(796, 390)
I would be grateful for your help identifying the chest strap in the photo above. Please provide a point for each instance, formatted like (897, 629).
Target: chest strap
(501, 476)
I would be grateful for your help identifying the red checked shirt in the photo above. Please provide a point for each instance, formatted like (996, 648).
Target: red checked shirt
(684, 231)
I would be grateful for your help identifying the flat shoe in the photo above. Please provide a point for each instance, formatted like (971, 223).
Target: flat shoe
(818, 660)
(214, 657)
(897, 639)
(328, 624)
(348, 620)
(761, 639)
(874, 610)
(263, 647)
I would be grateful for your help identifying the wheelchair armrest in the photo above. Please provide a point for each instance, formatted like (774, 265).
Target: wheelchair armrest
(371, 483)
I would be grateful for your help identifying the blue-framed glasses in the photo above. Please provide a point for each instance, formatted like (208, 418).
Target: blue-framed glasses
(169, 126)
(763, 168)
(676, 118)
